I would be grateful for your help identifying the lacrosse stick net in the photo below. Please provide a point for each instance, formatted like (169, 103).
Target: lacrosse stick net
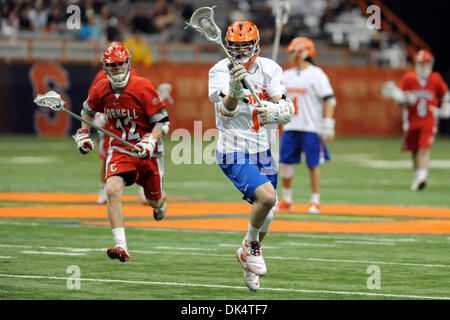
(53, 101)
(280, 10)
(202, 20)
(50, 100)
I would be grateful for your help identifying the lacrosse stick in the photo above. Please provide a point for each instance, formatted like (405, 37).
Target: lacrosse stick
(202, 20)
(53, 101)
(281, 12)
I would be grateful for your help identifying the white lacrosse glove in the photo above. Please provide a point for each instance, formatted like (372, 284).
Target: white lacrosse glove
(391, 91)
(164, 90)
(147, 145)
(237, 73)
(327, 128)
(279, 113)
(443, 112)
(83, 140)
(100, 119)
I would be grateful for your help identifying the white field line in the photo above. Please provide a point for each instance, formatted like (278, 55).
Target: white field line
(54, 253)
(187, 249)
(20, 223)
(6, 257)
(228, 255)
(374, 243)
(201, 285)
(234, 246)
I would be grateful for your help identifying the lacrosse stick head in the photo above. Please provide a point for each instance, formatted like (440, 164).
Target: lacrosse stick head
(202, 20)
(281, 10)
(50, 100)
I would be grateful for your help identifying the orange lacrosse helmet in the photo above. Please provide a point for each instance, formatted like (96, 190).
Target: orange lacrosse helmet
(113, 58)
(302, 48)
(424, 61)
(242, 42)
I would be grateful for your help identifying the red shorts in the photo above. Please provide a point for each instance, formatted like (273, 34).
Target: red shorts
(103, 145)
(149, 173)
(419, 138)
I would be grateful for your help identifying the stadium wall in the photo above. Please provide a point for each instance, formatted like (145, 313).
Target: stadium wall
(360, 108)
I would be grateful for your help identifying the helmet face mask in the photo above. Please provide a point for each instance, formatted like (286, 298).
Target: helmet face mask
(301, 48)
(243, 52)
(242, 42)
(117, 65)
(424, 61)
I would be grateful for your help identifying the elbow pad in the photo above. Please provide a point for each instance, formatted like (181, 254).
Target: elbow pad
(163, 126)
(286, 111)
(225, 111)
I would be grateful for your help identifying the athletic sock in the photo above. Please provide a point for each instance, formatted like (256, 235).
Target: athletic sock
(421, 174)
(287, 194)
(119, 237)
(252, 233)
(315, 198)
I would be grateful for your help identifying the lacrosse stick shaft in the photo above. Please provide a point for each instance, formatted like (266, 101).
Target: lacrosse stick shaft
(70, 113)
(276, 42)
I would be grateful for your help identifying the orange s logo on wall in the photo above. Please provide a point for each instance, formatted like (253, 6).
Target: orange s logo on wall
(46, 121)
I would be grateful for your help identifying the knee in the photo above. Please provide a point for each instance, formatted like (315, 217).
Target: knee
(113, 191)
(268, 199)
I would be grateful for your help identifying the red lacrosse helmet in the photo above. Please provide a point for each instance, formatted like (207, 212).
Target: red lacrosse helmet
(242, 42)
(116, 63)
(301, 48)
(424, 61)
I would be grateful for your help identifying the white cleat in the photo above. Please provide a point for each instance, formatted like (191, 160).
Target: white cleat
(159, 213)
(253, 257)
(251, 280)
(418, 185)
(314, 208)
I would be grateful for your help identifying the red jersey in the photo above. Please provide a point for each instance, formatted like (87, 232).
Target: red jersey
(428, 94)
(129, 112)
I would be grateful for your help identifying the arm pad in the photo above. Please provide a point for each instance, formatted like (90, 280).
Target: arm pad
(163, 126)
(225, 111)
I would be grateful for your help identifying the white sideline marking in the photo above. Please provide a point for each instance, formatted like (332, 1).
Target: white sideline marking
(377, 262)
(234, 246)
(6, 257)
(313, 244)
(178, 248)
(29, 159)
(228, 255)
(20, 223)
(228, 287)
(54, 253)
(366, 242)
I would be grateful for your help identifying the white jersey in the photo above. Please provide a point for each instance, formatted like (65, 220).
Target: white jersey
(243, 132)
(306, 88)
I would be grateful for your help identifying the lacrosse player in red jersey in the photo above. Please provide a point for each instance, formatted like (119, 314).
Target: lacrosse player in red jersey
(135, 112)
(243, 151)
(424, 97)
(103, 143)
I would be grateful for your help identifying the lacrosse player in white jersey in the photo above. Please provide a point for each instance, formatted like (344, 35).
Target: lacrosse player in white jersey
(312, 124)
(243, 147)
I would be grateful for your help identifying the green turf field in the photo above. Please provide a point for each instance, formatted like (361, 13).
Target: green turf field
(182, 264)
